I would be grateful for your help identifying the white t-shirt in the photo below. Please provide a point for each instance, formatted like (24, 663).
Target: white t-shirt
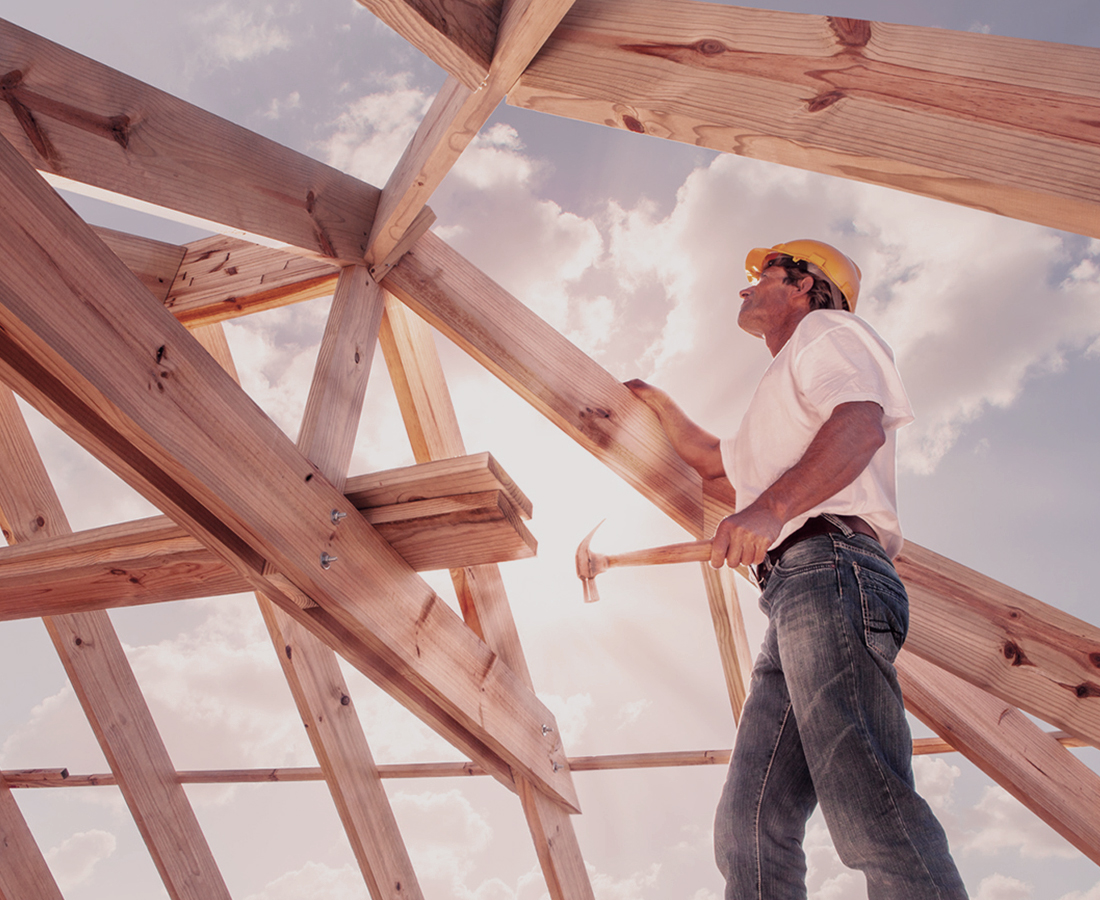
(833, 357)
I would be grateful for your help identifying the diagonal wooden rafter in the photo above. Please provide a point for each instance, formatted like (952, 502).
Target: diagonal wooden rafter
(311, 668)
(456, 115)
(73, 117)
(102, 679)
(137, 391)
(1029, 763)
(24, 874)
(435, 434)
(999, 124)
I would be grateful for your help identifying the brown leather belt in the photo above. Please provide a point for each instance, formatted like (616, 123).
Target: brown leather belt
(812, 528)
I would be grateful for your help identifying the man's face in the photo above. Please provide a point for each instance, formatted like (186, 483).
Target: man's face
(767, 305)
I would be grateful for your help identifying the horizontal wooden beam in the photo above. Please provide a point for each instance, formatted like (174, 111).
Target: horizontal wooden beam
(89, 123)
(222, 278)
(44, 778)
(1000, 124)
(463, 510)
(80, 341)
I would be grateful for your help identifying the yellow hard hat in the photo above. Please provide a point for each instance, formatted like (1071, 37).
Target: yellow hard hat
(840, 270)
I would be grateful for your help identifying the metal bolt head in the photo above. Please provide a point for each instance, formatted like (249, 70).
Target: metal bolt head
(337, 516)
(327, 561)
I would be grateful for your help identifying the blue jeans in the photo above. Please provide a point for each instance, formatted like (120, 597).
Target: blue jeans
(824, 722)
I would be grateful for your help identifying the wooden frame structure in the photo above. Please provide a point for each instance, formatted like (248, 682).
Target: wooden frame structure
(116, 338)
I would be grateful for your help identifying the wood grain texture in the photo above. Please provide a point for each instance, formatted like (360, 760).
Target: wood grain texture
(457, 35)
(154, 262)
(729, 630)
(79, 340)
(102, 679)
(410, 352)
(24, 874)
(77, 118)
(1026, 652)
(312, 671)
(455, 117)
(544, 368)
(154, 560)
(222, 277)
(1000, 124)
(1029, 763)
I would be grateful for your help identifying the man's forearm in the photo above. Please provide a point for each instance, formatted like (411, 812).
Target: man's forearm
(694, 445)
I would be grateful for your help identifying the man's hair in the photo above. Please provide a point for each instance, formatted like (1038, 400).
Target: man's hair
(823, 295)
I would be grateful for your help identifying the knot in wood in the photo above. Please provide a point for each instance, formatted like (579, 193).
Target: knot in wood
(1015, 655)
(710, 47)
(851, 32)
(824, 101)
(1087, 689)
(9, 81)
(120, 130)
(1094, 658)
(344, 699)
(633, 124)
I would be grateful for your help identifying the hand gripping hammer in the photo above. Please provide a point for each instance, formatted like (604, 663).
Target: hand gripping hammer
(590, 564)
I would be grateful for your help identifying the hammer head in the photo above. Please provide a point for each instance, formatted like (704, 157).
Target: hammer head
(589, 565)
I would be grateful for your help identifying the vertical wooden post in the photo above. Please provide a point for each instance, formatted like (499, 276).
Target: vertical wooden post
(311, 667)
(433, 429)
(104, 682)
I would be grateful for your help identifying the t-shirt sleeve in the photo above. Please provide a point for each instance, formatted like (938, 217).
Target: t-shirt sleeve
(848, 363)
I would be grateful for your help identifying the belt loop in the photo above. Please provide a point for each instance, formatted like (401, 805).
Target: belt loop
(845, 528)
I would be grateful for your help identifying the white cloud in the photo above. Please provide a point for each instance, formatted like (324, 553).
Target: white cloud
(1002, 887)
(1000, 822)
(629, 713)
(232, 34)
(73, 861)
(632, 887)
(1092, 893)
(571, 714)
(368, 138)
(443, 832)
(316, 880)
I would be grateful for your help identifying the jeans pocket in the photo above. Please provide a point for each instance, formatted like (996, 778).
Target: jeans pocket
(885, 608)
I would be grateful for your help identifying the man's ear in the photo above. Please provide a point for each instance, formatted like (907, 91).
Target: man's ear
(805, 284)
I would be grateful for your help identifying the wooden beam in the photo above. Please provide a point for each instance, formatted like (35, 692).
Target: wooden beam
(729, 630)
(79, 340)
(456, 115)
(24, 874)
(87, 122)
(544, 368)
(154, 560)
(995, 123)
(222, 277)
(414, 365)
(1030, 764)
(312, 671)
(1029, 654)
(662, 759)
(457, 35)
(154, 262)
(103, 681)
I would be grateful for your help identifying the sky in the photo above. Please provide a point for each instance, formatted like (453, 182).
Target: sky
(632, 247)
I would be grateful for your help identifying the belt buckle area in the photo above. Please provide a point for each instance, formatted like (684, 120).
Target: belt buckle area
(761, 571)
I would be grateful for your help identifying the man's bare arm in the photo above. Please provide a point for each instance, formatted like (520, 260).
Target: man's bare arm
(840, 450)
(695, 445)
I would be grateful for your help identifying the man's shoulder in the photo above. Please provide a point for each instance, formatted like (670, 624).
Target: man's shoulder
(835, 323)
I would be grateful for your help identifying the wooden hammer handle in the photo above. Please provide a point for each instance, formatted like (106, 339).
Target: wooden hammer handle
(694, 551)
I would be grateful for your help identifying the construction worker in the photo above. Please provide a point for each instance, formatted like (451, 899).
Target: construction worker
(813, 470)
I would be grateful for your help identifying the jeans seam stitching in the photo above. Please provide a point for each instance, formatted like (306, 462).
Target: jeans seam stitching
(760, 801)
